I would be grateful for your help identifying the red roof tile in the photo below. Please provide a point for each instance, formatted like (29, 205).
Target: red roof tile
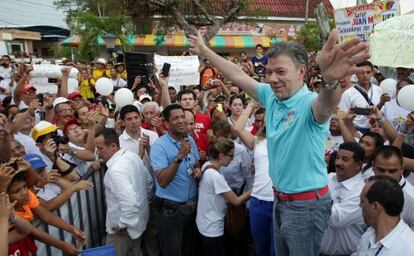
(263, 8)
(288, 8)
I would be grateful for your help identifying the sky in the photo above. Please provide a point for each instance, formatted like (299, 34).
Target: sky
(406, 5)
(30, 12)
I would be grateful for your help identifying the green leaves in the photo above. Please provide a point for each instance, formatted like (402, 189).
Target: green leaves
(89, 27)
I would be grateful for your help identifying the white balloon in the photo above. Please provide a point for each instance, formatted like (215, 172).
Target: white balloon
(406, 97)
(73, 85)
(123, 97)
(389, 86)
(104, 86)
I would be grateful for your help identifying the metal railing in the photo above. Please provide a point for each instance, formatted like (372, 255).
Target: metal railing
(85, 210)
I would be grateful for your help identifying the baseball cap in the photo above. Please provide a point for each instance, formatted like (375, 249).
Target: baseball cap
(144, 96)
(72, 95)
(60, 100)
(35, 161)
(69, 123)
(101, 61)
(42, 128)
(28, 88)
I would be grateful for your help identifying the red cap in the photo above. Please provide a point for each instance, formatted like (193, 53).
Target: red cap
(69, 123)
(28, 87)
(72, 95)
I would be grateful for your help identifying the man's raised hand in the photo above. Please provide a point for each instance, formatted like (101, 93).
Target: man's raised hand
(336, 60)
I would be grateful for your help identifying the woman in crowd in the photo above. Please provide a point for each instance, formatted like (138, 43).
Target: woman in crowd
(261, 203)
(214, 191)
(238, 174)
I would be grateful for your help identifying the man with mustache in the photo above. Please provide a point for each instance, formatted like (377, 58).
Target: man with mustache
(346, 224)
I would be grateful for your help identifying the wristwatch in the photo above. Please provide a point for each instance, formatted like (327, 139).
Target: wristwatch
(74, 151)
(178, 160)
(330, 86)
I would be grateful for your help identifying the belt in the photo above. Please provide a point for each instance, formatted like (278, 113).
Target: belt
(309, 195)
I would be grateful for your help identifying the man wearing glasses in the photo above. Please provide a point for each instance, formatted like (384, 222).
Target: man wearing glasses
(63, 111)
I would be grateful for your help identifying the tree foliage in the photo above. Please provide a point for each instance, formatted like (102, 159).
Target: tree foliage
(89, 27)
(310, 36)
(189, 14)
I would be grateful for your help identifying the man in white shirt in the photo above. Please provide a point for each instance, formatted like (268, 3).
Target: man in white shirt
(135, 138)
(118, 82)
(382, 201)
(346, 224)
(352, 98)
(388, 161)
(6, 75)
(139, 140)
(126, 191)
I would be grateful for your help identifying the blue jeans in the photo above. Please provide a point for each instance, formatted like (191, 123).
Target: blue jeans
(299, 225)
(261, 225)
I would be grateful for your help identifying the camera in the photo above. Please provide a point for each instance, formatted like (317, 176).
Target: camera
(60, 139)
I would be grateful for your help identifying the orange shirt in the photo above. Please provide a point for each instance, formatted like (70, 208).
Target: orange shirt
(209, 74)
(27, 214)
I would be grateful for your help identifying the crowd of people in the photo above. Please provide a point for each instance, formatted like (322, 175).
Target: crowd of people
(281, 153)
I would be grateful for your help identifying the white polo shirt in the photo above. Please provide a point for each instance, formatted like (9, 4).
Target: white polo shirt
(398, 242)
(353, 98)
(346, 224)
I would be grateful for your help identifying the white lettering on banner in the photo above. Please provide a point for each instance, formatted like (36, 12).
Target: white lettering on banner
(359, 21)
(392, 43)
(184, 69)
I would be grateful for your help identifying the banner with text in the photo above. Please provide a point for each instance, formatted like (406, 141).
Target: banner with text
(360, 20)
(392, 43)
(184, 69)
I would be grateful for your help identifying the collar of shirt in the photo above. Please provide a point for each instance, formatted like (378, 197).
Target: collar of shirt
(350, 183)
(402, 182)
(298, 95)
(125, 135)
(112, 160)
(389, 240)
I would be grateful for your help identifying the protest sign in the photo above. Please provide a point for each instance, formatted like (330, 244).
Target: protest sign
(42, 72)
(184, 69)
(392, 43)
(51, 71)
(360, 20)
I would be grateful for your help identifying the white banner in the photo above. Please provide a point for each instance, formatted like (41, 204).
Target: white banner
(360, 20)
(51, 71)
(184, 69)
(392, 43)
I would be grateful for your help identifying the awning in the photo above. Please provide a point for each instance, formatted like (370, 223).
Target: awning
(227, 41)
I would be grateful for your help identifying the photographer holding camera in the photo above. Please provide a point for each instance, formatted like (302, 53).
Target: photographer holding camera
(52, 146)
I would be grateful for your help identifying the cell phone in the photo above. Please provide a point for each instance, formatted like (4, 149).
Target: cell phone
(166, 69)
(39, 98)
(219, 107)
(52, 80)
(362, 111)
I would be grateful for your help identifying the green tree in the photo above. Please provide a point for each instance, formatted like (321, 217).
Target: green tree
(89, 27)
(310, 36)
(189, 14)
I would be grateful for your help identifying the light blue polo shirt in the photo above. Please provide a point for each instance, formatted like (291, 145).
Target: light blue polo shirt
(295, 141)
(163, 152)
